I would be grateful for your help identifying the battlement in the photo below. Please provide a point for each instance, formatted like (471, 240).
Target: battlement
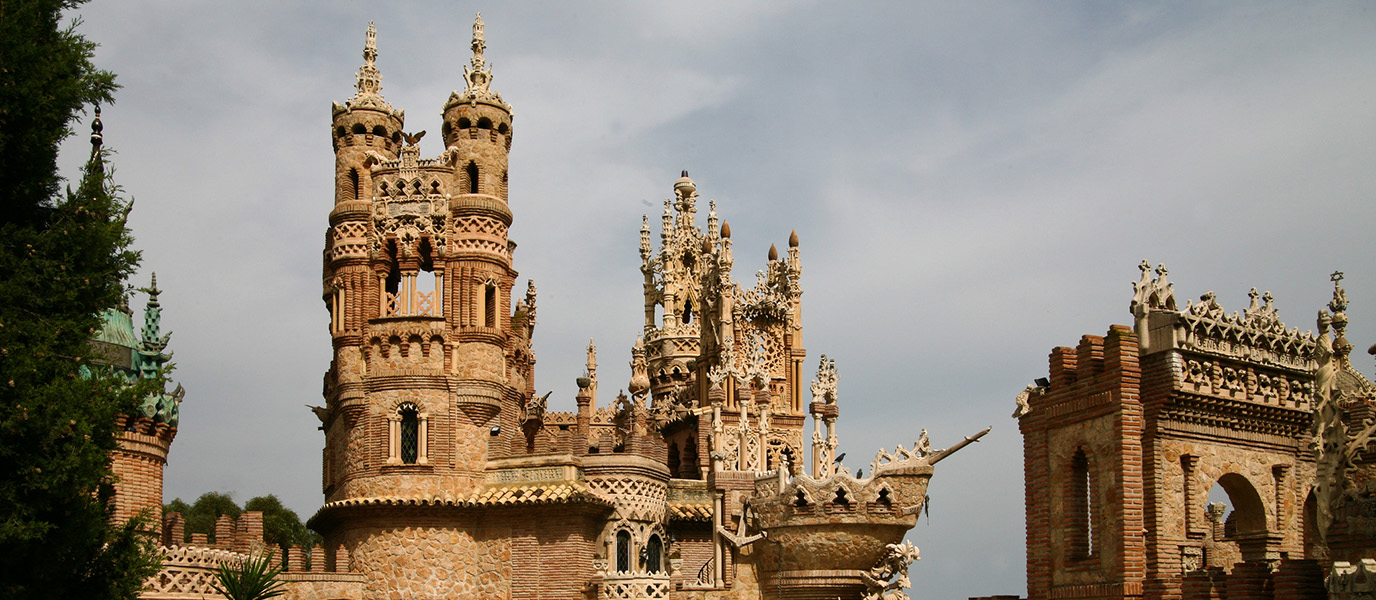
(1094, 359)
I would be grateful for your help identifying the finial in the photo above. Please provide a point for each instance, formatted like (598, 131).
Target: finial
(96, 128)
(369, 86)
(726, 229)
(479, 43)
(153, 340)
(793, 239)
(1341, 347)
(685, 188)
(370, 44)
(477, 73)
(773, 253)
(1339, 303)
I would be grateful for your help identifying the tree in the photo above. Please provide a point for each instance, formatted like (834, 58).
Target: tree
(63, 259)
(281, 526)
(207, 510)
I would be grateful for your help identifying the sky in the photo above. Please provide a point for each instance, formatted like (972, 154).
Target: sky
(972, 183)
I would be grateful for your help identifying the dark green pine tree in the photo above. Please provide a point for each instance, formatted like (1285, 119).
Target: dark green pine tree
(63, 259)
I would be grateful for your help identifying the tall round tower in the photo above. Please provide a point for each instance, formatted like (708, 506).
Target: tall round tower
(431, 369)
(477, 136)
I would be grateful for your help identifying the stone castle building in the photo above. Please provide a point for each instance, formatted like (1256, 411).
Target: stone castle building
(1125, 438)
(446, 476)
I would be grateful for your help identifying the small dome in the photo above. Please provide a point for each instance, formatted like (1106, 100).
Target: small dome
(117, 327)
(685, 187)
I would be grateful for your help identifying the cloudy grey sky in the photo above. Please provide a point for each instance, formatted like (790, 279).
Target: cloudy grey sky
(973, 184)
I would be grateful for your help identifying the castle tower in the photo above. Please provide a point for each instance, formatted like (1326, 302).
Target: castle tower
(146, 435)
(431, 369)
(139, 460)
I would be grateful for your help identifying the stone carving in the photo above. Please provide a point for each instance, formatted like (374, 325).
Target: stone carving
(824, 386)
(770, 299)
(369, 86)
(1334, 447)
(477, 74)
(1256, 335)
(1347, 580)
(1191, 559)
(1151, 294)
(888, 579)
(824, 412)
(1024, 400)
(921, 454)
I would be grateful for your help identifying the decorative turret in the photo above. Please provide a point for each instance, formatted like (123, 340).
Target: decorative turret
(148, 433)
(477, 130)
(364, 125)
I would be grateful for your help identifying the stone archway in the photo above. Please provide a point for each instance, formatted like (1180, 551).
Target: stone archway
(1247, 524)
(1249, 514)
(1310, 526)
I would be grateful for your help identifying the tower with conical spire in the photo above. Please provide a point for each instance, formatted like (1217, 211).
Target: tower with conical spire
(432, 376)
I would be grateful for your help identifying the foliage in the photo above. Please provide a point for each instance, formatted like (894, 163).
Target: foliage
(254, 578)
(207, 510)
(63, 260)
(281, 526)
(46, 80)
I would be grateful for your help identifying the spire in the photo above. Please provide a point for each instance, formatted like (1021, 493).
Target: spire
(369, 94)
(477, 74)
(97, 164)
(96, 128)
(1341, 347)
(153, 340)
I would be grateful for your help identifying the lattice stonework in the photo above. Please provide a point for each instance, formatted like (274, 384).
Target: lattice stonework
(637, 590)
(480, 246)
(481, 225)
(635, 499)
(188, 571)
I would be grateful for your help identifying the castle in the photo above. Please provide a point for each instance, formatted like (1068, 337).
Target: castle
(1124, 439)
(446, 476)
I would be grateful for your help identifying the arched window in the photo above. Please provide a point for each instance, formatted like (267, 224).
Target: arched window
(623, 551)
(490, 305)
(472, 172)
(484, 123)
(410, 435)
(407, 432)
(354, 192)
(379, 131)
(360, 129)
(464, 123)
(654, 552)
